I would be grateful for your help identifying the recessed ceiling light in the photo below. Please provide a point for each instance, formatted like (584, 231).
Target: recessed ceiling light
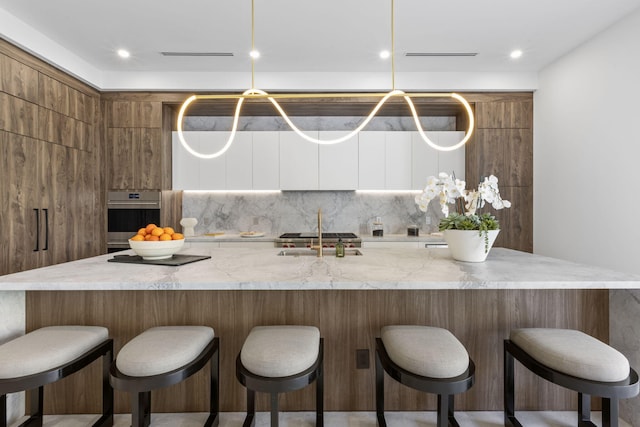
(254, 54)
(516, 54)
(385, 54)
(123, 53)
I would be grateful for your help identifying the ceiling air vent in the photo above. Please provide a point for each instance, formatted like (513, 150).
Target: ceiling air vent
(441, 54)
(197, 53)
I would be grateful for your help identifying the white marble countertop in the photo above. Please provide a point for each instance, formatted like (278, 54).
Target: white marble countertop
(423, 238)
(262, 269)
(234, 236)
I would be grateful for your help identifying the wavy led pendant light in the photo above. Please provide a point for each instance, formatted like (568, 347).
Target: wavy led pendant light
(254, 93)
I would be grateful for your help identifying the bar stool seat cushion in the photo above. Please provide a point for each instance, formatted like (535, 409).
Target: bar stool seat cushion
(280, 351)
(163, 349)
(47, 348)
(572, 352)
(425, 350)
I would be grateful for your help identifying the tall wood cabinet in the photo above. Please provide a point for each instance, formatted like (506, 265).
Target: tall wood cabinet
(503, 146)
(135, 149)
(51, 204)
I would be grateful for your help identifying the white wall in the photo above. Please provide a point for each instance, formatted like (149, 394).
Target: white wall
(587, 152)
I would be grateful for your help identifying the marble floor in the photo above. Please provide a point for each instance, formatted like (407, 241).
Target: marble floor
(334, 419)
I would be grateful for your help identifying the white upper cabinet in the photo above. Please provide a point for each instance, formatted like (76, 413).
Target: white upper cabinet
(266, 160)
(283, 160)
(452, 161)
(193, 173)
(427, 161)
(338, 163)
(298, 162)
(424, 159)
(239, 162)
(371, 163)
(398, 160)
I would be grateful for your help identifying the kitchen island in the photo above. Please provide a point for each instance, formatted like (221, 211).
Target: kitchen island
(349, 299)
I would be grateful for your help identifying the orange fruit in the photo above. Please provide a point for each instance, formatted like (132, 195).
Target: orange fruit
(157, 231)
(138, 237)
(168, 230)
(177, 236)
(165, 236)
(142, 231)
(147, 237)
(153, 238)
(150, 227)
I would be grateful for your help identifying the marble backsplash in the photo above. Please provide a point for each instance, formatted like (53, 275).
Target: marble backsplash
(295, 211)
(271, 123)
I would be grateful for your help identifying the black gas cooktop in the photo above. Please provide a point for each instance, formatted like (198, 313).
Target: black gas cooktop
(312, 235)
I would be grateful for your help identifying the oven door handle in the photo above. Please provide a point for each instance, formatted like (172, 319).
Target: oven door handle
(136, 205)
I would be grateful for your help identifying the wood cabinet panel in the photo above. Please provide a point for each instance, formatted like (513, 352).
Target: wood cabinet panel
(18, 79)
(134, 155)
(147, 171)
(348, 320)
(505, 153)
(509, 114)
(18, 116)
(135, 114)
(63, 130)
(516, 231)
(53, 95)
(81, 106)
(22, 193)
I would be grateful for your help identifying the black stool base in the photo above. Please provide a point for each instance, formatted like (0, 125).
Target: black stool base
(445, 388)
(34, 386)
(610, 392)
(276, 385)
(140, 387)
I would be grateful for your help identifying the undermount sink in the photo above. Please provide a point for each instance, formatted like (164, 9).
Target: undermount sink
(328, 252)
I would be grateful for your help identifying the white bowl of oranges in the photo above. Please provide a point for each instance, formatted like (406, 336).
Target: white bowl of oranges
(153, 242)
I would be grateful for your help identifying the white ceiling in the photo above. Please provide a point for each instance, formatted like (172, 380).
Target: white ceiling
(303, 36)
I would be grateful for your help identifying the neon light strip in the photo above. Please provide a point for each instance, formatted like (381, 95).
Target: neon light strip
(257, 94)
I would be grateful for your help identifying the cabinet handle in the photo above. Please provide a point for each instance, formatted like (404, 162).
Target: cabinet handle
(46, 229)
(37, 248)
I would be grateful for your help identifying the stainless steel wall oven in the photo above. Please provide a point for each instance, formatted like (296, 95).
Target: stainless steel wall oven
(127, 211)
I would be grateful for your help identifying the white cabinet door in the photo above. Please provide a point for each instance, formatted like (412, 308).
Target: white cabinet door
(239, 162)
(338, 163)
(371, 161)
(194, 173)
(266, 161)
(398, 160)
(185, 173)
(424, 159)
(298, 162)
(213, 172)
(452, 161)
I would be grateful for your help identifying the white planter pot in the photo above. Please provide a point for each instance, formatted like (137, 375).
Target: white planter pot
(469, 245)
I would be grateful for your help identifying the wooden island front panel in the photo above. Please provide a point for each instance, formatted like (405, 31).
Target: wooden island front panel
(348, 320)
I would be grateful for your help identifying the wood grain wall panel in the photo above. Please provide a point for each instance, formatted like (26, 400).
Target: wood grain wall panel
(148, 173)
(515, 223)
(506, 153)
(121, 158)
(139, 114)
(81, 106)
(512, 114)
(171, 212)
(18, 116)
(63, 130)
(53, 94)
(348, 320)
(18, 79)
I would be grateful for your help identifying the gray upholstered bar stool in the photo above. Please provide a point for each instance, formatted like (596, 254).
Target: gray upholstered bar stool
(278, 359)
(164, 356)
(49, 354)
(573, 360)
(427, 359)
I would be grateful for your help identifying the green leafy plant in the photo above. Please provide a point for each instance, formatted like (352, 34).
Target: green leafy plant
(467, 203)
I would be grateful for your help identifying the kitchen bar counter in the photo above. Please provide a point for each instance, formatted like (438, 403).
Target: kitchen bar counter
(262, 269)
(349, 299)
